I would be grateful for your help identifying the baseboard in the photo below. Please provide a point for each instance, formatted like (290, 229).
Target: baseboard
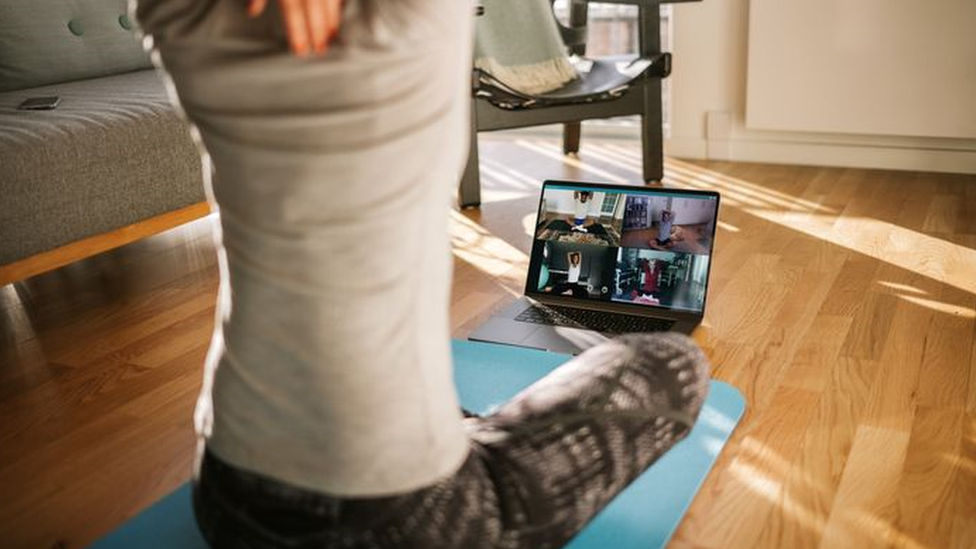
(826, 154)
(848, 155)
(855, 156)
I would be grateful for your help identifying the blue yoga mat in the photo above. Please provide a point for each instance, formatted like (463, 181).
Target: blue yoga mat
(644, 516)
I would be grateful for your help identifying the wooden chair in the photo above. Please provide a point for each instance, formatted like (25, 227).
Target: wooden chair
(603, 92)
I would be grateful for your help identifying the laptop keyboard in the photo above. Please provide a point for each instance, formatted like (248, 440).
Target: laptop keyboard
(600, 321)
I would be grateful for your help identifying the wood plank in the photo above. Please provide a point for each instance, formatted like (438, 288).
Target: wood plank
(894, 394)
(971, 399)
(927, 502)
(854, 280)
(864, 507)
(942, 213)
(816, 358)
(948, 348)
(746, 493)
(774, 349)
(963, 526)
(806, 499)
(871, 326)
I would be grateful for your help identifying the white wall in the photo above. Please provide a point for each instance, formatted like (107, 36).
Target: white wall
(655, 204)
(709, 105)
(691, 211)
(882, 67)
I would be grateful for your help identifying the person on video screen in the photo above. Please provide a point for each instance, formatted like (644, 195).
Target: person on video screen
(575, 265)
(572, 285)
(582, 201)
(664, 228)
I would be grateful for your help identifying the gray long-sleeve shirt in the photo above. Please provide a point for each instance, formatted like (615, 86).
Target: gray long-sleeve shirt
(330, 365)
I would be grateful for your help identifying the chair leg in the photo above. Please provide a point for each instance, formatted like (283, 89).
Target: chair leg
(469, 192)
(571, 137)
(652, 134)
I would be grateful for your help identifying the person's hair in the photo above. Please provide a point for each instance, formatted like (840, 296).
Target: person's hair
(585, 195)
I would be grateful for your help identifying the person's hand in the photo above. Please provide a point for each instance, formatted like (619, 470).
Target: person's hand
(310, 24)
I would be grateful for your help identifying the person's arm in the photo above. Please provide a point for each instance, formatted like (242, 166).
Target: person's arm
(311, 24)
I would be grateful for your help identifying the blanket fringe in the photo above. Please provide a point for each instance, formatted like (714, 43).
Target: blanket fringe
(534, 78)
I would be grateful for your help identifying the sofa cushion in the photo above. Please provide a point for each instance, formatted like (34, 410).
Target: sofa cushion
(49, 41)
(112, 154)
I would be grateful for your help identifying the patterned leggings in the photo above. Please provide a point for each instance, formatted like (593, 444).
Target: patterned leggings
(539, 468)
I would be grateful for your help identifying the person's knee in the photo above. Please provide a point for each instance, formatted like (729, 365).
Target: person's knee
(674, 361)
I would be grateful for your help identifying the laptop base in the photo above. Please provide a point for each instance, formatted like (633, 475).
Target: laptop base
(503, 328)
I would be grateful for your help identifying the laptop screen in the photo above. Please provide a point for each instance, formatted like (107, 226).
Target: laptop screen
(637, 246)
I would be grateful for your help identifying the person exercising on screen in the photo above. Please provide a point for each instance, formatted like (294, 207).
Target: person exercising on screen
(575, 264)
(582, 201)
(572, 284)
(663, 239)
(328, 415)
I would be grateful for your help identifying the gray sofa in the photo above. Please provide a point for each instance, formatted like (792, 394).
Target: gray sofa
(114, 153)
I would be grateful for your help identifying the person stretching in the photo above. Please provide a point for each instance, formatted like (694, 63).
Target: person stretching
(575, 263)
(664, 229)
(582, 203)
(572, 283)
(328, 416)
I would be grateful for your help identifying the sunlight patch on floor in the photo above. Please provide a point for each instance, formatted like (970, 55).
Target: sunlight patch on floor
(879, 528)
(964, 464)
(488, 253)
(756, 480)
(856, 523)
(915, 295)
(940, 306)
(9, 296)
(902, 287)
(737, 198)
(733, 185)
(13, 309)
(528, 224)
(500, 183)
(774, 492)
(728, 227)
(913, 251)
(511, 176)
(556, 154)
(614, 157)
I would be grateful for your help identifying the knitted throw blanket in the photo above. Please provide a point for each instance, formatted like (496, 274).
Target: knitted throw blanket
(518, 42)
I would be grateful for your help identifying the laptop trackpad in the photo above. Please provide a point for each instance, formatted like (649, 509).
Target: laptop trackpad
(562, 339)
(508, 331)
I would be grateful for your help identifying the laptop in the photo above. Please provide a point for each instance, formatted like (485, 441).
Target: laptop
(608, 260)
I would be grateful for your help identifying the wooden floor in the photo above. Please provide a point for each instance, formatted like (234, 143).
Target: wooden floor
(842, 304)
